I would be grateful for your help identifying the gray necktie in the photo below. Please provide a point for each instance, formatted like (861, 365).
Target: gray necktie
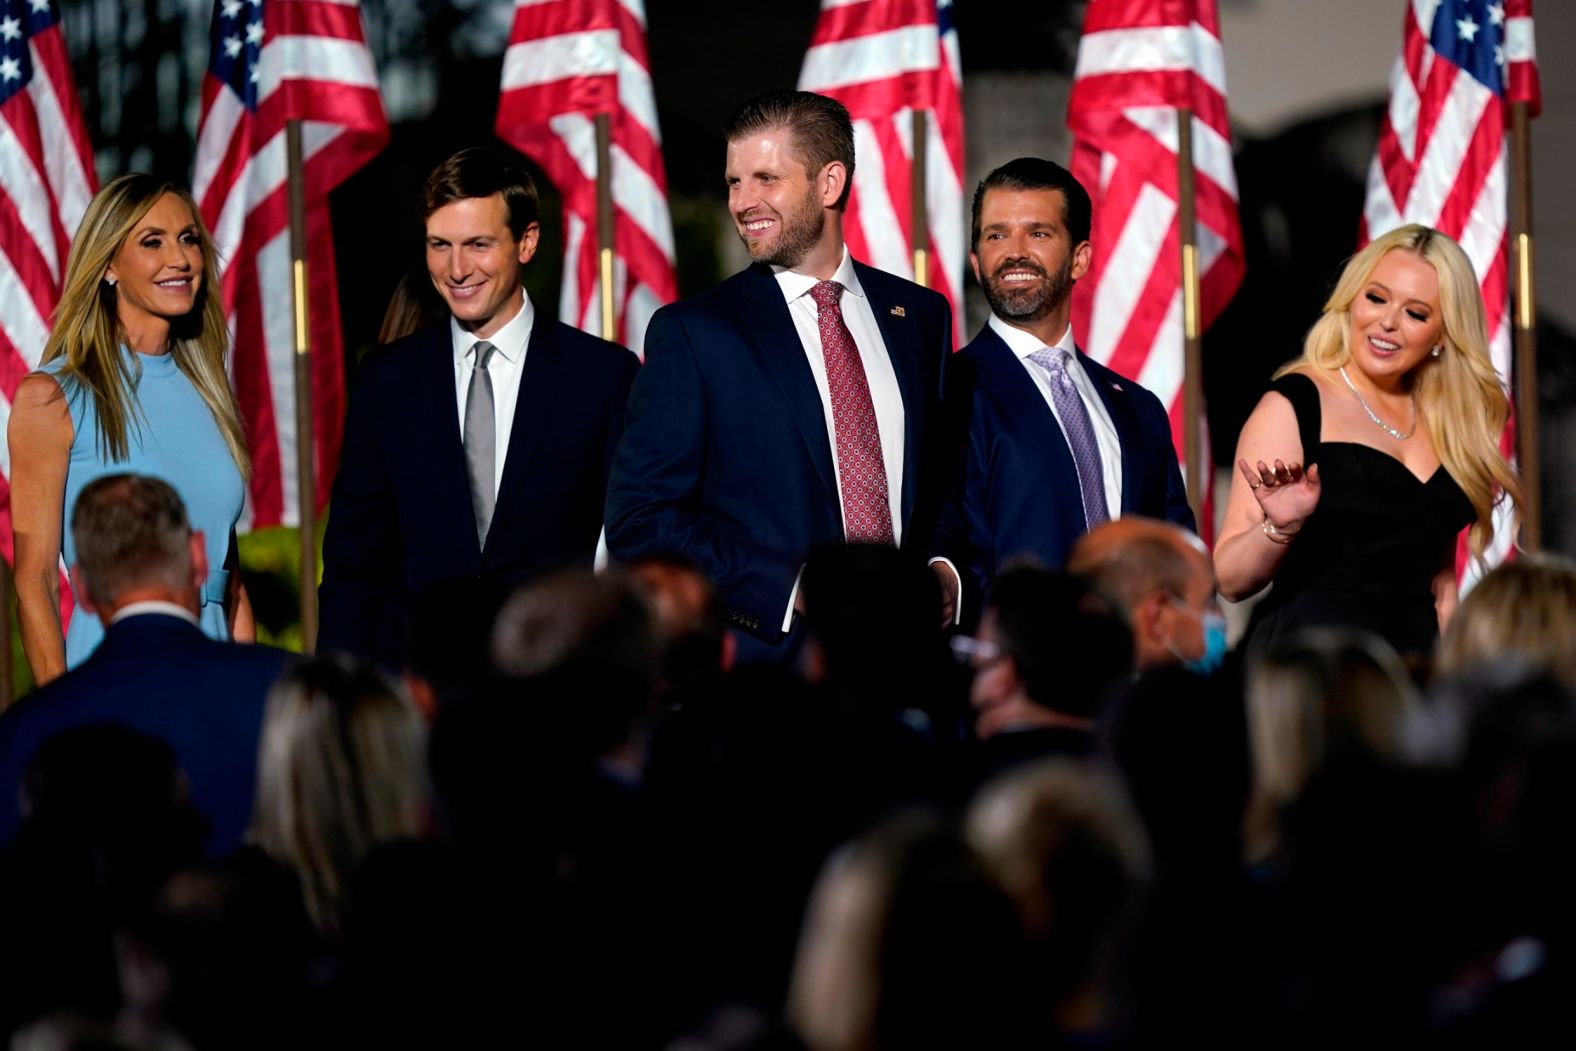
(1080, 432)
(481, 440)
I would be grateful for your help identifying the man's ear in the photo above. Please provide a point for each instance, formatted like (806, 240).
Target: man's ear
(830, 183)
(1150, 615)
(1083, 259)
(79, 591)
(529, 241)
(198, 550)
(974, 265)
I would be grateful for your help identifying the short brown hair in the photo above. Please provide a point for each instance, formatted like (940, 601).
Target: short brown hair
(130, 529)
(481, 172)
(822, 130)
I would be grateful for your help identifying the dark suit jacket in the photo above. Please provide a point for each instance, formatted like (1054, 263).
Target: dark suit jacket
(401, 521)
(725, 456)
(163, 677)
(1019, 493)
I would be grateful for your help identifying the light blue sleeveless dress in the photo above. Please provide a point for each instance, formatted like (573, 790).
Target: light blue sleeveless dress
(177, 440)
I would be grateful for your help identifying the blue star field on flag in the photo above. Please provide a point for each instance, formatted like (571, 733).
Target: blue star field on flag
(20, 21)
(237, 42)
(1471, 34)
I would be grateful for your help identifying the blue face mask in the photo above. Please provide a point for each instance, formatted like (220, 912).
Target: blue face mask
(1214, 655)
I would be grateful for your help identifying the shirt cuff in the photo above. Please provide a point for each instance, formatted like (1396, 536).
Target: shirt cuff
(957, 589)
(793, 599)
(599, 562)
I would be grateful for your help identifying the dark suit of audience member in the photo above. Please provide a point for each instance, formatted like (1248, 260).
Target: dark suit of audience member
(795, 404)
(438, 478)
(139, 570)
(1056, 442)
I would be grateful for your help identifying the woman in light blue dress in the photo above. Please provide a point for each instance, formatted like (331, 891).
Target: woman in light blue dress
(133, 380)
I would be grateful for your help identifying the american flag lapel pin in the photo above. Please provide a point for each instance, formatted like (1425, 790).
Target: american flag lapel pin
(898, 312)
(1115, 385)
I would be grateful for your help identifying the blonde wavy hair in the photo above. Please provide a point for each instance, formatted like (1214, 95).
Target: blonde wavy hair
(88, 335)
(1458, 393)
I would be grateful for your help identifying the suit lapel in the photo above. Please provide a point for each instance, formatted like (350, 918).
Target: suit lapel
(1025, 412)
(901, 334)
(539, 383)
(1120, 406)
(451, 497)
(774, 337)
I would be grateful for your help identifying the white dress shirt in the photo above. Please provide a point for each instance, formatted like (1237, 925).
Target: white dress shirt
(885, 395)
(1023, 344)
(135, 609)
(504, 368)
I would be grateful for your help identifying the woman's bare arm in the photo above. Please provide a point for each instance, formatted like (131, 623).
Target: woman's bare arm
(1270, 481)
(40, 434)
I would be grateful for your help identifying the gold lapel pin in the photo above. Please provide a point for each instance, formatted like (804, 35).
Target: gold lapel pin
(898, 312)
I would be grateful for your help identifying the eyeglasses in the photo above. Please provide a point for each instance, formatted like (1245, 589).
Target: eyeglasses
(974, 652)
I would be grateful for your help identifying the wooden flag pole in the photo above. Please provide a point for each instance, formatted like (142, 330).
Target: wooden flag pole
(306, 445)
(919, 214)
(1193, 358)
(604, 222)
(1524, 322)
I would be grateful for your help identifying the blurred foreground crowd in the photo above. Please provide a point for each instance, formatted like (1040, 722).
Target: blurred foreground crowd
(573, 822)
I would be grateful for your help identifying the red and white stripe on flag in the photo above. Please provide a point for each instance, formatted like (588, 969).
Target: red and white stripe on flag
(1443, 161)
(275, 61)
(1139, 61)
(884, 59)
(46, 182)
(569, 61)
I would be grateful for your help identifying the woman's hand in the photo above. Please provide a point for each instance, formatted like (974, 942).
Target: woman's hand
(1286, 493)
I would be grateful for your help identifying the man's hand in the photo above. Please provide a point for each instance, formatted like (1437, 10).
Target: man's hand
(949, 593)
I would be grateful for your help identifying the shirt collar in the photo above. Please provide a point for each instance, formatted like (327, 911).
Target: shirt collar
(510, 340)
(167, 609)
(1024, 343)
(794, 284)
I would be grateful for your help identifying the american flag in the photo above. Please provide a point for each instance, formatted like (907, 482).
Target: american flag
(1139, 61)
(567, 62)
(884, 59)
(275, 61)
(1443, 153)
(46, 181)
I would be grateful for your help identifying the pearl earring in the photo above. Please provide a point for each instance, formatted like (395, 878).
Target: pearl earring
(1436, 352)
(109, 279)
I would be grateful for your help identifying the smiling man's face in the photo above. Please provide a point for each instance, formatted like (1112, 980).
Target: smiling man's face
(475, 260)
(1025, 260)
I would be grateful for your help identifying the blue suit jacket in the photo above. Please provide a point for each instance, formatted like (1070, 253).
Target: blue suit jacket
(725, 456)
(401, 521)
(163, 677)
(1019, 493)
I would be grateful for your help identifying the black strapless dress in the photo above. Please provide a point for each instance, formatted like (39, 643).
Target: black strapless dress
(1367, 556)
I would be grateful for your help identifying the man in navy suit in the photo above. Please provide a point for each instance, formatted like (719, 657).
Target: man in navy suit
(477, 448)
(140, 570)
(1057, 442)
(795, 404)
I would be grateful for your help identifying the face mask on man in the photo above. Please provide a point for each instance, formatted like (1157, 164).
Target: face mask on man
(1214, 628)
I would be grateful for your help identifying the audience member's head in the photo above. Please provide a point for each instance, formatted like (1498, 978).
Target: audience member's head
(872, 625)
(1053, 653)
(909, 942)
(583, 649)
(340, 769)
(134, 544)
(695, 642)
(1065, 845)
(1322, 699)
(414, 305)
(1526, 607)
(1161, 576)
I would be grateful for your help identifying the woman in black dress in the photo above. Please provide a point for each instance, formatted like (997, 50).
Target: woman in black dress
(1396, 410)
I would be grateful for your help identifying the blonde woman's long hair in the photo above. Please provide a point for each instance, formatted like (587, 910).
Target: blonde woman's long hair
(1458, 393)
(88, 335)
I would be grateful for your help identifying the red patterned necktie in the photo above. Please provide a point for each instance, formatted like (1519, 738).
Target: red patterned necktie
(861, 471)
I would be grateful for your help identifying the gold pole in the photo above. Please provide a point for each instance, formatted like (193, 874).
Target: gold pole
(306, 444)
(919, 214)
(1192, 345)
(1525, 371)
(604, 222)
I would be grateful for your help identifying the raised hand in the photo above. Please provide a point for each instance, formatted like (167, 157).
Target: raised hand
(1286, 493)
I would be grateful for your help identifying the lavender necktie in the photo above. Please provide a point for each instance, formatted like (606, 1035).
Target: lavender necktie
(1080, 433)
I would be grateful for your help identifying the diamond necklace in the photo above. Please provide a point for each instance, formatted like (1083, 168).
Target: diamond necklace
(1391, 431)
